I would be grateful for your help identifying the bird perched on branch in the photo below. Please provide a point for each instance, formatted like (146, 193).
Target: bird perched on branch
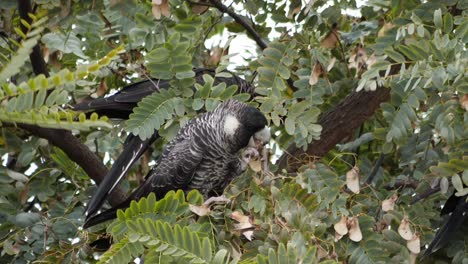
(120, 106)
(204, 155)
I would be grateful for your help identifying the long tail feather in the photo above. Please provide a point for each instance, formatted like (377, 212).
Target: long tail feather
(102, 217)
(133, 149)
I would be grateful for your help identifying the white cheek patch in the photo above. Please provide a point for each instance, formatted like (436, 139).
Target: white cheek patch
(230, 125)
(263, 135)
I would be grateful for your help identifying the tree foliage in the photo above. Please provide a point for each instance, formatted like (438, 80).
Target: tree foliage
(369, 114)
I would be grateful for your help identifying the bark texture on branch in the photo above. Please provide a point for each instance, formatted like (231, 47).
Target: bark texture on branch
(337, 124)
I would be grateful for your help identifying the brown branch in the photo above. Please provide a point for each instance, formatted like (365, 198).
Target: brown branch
(337, 124)
(375, 169)
(63, 139)
(253, 33)
(428, 192)
(77, 152)
(402, 184)
(37, 61)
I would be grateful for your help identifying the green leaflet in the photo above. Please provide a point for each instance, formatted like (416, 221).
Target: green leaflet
(151, 113)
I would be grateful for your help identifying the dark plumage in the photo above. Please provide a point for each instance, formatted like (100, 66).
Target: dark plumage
(120, 106)
(204, 155)
(457, 207)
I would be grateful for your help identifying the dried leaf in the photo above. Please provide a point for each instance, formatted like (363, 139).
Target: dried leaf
(338, 237)
(114, 2)
(331, 63)
(359, 58)
(414, 244)
(46, 54)
(199, 9)
(404, 229)
(201, 210)
(352, 179)
(165, 10)
(24, 194)
(331, 39)
(315, 74)
(371, 60)
(341, 227)
(160, 8)
(413, 258)
(255, 165)
(355, 233)
(380, 225)
(215, 56)
(102, 89)
(294, 11)
(464, 102)
(385, 28)
(321, 253)
(434, 183)
(245, 225)
(389, 204)
(156, 11)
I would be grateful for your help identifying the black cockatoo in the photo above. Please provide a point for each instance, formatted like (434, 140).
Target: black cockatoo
(204, 155)
(120, 106)
(457, 207)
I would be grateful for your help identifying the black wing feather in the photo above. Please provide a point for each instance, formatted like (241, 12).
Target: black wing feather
(452, 225)
(133, 149)
(120, 105)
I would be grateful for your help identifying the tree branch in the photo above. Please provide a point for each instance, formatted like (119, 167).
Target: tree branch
(37, 60)
(79, 153)
(337, 124)
(428, 192)
(262, 44)
(248, 27)
(63, 139)
(374, 171)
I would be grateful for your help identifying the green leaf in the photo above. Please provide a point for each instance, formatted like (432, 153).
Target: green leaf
(438, 18)
(457, 183)
(122, 252)
(448, 23)
(65, 43)
(408, 52)
(290, 125)
(394, 55)
(23, 220)
(275, 64)
(151, 113)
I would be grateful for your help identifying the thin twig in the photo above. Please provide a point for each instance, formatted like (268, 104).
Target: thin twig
(199, 3)
(254, 34)
(428, 192)
(402, 184)
(375, 169)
